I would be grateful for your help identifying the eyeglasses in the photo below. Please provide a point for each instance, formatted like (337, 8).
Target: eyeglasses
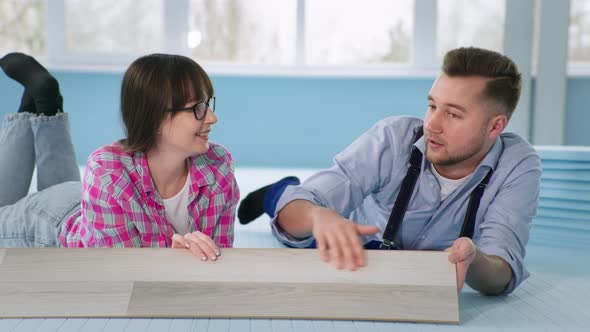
(200, 109)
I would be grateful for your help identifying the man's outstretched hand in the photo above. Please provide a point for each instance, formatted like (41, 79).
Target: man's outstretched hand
(338, 240)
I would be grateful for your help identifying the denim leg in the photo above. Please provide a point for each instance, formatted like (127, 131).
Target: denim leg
(17, 157)
(35, 221)
(54, 150)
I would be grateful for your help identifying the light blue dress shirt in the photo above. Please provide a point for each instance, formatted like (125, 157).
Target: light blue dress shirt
(366, 177)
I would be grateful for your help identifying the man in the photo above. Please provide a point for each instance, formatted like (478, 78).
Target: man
(348, 205)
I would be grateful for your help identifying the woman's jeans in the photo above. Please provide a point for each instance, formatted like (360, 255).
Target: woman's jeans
(34, 220)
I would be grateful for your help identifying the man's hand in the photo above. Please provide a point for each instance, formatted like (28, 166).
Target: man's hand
(487, 274)
(338, 239)
(463, 253)
(198, 243)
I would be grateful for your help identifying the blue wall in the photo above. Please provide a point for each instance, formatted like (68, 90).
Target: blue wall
(273, 121)
(263, 121)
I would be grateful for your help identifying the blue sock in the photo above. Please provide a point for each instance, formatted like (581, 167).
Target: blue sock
(272, 196)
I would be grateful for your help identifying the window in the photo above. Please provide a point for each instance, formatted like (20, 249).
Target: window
(113, 26)
(236, 31)
(371, 35)
(579, 31)
(22, 26)
(350, 32)
(478, 23)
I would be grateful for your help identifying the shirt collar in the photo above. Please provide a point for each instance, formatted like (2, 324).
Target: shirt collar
(145, 177)
(199, 171)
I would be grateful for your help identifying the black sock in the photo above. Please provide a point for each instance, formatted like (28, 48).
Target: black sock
(27, 104)
(252, 206)
(38, 82)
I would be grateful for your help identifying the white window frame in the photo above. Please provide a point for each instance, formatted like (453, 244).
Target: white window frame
(423, 59)
(577, 69)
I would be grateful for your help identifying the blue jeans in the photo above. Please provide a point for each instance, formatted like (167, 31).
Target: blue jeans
(34, 220)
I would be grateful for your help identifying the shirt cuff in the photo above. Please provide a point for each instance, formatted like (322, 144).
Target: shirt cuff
(290, 194)
(287, 238)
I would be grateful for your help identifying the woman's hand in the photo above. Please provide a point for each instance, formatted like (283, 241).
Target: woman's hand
(198, 243)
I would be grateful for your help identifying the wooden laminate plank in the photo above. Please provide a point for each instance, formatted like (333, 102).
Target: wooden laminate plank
(293, 300)
(413, 268)
(256, 283)
(64, 299)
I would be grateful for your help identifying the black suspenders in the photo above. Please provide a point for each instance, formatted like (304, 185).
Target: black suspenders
(405, 194)
(469, 222)
(403, 198)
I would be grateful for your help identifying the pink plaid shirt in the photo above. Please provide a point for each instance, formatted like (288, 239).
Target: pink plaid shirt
(121, 208)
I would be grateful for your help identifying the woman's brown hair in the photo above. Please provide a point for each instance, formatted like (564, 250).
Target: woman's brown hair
(154, 85)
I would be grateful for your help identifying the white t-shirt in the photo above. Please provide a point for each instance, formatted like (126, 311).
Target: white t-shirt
(177, 209)
(447, 186)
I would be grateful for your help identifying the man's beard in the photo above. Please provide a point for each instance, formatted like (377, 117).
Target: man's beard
(451, 160)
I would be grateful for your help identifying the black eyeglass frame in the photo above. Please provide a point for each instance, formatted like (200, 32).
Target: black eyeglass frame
(200, 109)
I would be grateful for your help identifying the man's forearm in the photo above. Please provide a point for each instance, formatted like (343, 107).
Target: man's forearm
(296, 218)
(488, 274)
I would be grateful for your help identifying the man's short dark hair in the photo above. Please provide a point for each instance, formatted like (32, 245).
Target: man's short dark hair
(504, 84)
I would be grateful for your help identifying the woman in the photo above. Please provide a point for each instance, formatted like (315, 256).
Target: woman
(164, 185)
